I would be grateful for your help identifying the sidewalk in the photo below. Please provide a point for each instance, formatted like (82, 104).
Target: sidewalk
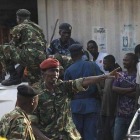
(8, 97)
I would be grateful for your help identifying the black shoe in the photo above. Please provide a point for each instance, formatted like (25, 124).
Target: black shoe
(10, 82)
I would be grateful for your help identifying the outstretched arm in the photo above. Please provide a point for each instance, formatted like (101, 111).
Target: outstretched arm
(96, 79)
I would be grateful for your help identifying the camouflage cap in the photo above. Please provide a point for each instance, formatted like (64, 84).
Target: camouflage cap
(75, 48)
(27, 91)
(23, 13)
(65, 26)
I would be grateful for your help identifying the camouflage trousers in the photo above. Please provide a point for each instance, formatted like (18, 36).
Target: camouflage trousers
(68, 133)
(31, 58)
(68, 136)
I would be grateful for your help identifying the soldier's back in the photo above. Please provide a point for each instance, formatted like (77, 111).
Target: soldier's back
(28, 33)
(16, 125)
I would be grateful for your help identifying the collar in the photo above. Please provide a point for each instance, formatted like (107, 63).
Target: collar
(66, 44)
(21, 111)
(78, 60)
(26, 21)
(45, 89)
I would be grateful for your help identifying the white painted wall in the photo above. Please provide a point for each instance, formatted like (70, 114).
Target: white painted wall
(83, 14)
(42, 18)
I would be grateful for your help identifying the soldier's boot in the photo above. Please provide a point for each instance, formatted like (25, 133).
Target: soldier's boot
(20, 71)
(14, 79)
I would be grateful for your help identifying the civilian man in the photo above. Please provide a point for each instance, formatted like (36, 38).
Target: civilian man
(125, 88)
(109, 101)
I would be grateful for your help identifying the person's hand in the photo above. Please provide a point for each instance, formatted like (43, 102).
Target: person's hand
(113, 74)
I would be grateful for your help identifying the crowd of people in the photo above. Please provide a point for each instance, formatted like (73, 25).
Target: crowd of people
(69, 96)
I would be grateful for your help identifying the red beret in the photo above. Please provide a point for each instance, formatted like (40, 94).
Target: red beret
(49, 63)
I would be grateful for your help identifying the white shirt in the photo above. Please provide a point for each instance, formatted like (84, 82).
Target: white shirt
(99, 61)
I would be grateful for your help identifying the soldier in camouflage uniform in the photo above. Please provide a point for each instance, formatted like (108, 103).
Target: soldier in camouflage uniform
(16, 124)
(26, 48)
(53, 111)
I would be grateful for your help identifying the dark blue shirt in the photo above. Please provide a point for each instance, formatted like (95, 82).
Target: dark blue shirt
(83, 69)
(56, 47)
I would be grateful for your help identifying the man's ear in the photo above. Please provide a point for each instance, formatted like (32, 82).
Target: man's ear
(59, 32)
(82, 52)
(134, 63)
(42, 73)
(19, 18)
(32, 101)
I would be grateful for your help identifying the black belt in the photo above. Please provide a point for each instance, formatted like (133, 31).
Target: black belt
(82, 96)
(35, 46)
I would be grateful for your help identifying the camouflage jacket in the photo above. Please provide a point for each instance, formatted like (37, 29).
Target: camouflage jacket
(65, 61)
(53, 110)
(27, 33)
(16, 125)
(57, 48)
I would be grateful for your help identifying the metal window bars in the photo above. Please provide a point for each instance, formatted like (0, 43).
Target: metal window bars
(136, 134)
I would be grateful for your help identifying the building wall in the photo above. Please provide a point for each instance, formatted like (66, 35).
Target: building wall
(83, 14)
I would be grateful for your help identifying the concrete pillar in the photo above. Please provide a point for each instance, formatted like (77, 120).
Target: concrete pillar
(42, 16)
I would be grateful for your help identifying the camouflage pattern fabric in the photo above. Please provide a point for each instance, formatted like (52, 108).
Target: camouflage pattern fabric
(27, 33)
(31, 58)
(26, 48)
(53, 110)
(16, 125)
(65, 61)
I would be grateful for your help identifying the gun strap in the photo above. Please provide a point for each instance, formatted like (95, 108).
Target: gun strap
(29, 129)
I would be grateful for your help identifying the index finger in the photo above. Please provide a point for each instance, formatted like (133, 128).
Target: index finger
(117, 69)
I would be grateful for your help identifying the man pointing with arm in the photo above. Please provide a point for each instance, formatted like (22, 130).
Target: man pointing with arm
(53, 111)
